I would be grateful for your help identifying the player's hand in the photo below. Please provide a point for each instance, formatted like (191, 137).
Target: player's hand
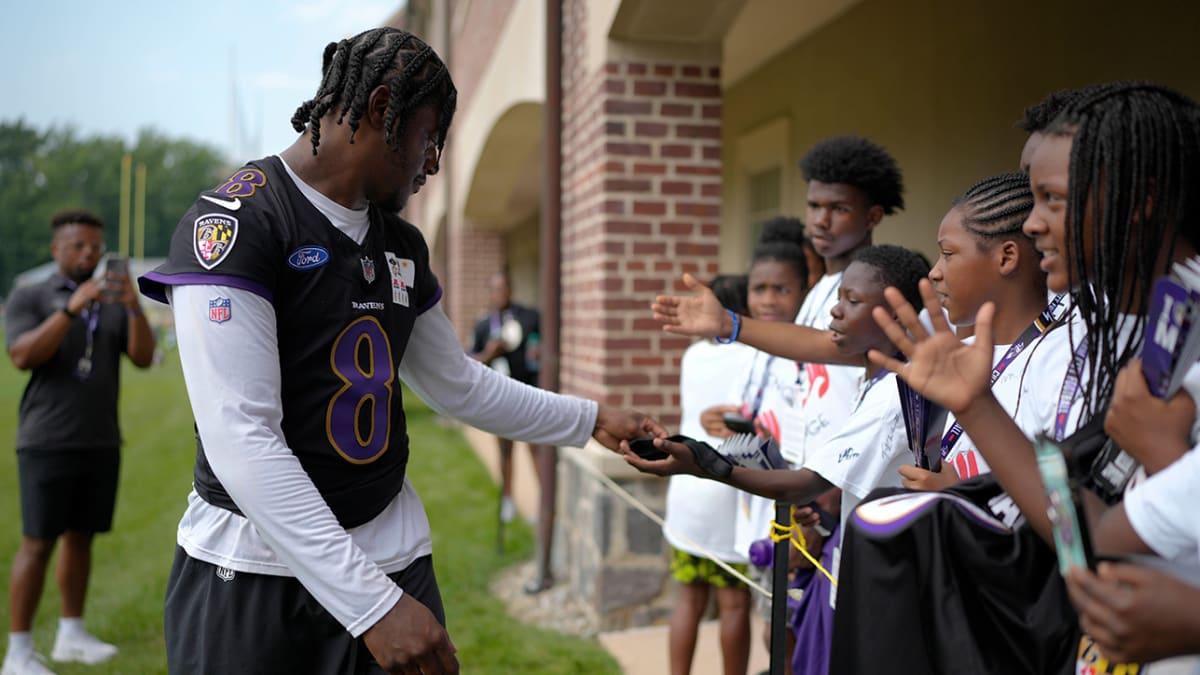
(939, 367)
(1153, 431)
(409, 639)
(699, 314)
(915, 478)
(681, 460)
(614, 426)
(85, 294)
(713, 420)
(1136, 613)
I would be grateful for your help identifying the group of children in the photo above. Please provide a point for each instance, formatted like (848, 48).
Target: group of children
(944, 558)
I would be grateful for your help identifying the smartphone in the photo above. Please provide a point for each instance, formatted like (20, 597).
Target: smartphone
(738, 424)
(1064, 510)
(112, 266)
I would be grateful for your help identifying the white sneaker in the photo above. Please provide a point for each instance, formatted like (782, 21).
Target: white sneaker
(32, 664)
(508, 510)
(82, 648)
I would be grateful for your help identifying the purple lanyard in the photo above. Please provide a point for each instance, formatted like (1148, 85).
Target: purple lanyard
(762, 384)
(879, 375)
(1070, 388)
(1031, 333)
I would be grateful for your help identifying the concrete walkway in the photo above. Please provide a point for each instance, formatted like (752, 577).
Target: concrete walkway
(640, 651)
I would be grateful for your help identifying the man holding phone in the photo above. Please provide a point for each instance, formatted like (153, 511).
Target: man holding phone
(69, 332)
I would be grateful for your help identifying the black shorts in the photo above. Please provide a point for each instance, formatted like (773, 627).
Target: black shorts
(224, 622)
(67, 490)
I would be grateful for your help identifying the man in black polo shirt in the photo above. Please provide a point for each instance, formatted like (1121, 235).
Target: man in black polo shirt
(70, 332)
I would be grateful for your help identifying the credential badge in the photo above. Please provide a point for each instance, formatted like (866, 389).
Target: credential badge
(403, 273)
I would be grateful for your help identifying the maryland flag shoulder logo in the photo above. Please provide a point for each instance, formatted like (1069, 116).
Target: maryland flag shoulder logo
(213, 236)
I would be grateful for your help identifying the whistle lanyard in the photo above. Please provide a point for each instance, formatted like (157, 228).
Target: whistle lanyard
(762, 384)
(1033, 332)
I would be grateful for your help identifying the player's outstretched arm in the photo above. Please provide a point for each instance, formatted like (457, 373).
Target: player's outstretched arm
(408, 639)
(700, 314)
(614, 425)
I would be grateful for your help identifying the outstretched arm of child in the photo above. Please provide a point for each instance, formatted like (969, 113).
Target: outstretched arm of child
(957, 376)
(700, 314)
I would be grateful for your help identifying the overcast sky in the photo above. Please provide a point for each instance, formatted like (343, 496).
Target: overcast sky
(113, 67)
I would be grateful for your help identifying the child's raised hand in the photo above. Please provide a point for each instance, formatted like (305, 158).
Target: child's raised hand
(915, 478)
(939, 367)
(699, 314)
(1153, 431)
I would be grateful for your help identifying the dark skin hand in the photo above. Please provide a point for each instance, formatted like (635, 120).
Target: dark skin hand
(408, 639)
(1136, 613)
(1153, 431)
(915, 478)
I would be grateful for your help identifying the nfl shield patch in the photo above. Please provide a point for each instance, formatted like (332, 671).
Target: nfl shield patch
(213, 236)
(220, 309)
(368, 268)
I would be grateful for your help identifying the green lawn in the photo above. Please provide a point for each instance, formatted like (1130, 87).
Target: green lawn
(131, 563)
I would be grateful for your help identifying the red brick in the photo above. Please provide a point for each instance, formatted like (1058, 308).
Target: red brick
(691, 71)
(691, 170)
(650, 130)
(647, 399)
(626, 185)
(664, 266)
(612, 68)
(649, 285)
(710, 230)
(647, 361)
(636, 69)
(649, 88)
(635, 266)
(677, 109)
(615, 247)
(714, 72)
(711, 112)
(676, 150)
(613, 167)
(622, 107)
(614, 207)
(649, 208)
(712, 152)
(671, 342)
(697, 131)
(629, 344)
(623, 303)
(626, 226)
(675, 187)
(649, 248)
(676, 229)
(697, 90)
(615, 129)
(613, 324)
(640, 169)
(630, 149)
(612, 284)
(666, 70)
(701, 210)
(647, 323)
(614, 86)
(690, 248)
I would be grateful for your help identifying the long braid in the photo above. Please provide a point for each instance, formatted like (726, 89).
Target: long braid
(996, 206)
(353, 68)
(1135, 160)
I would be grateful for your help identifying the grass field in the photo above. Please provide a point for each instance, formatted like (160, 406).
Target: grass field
(131, 564)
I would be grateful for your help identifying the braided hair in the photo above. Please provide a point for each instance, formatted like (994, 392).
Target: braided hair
(856, 161)
(1040, 115)
(896, 266)
(353, 68)
(995, 207)
(782, 240)
(1135, 165)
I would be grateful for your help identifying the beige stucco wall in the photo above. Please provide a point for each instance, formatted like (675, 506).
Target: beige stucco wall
(940, 84)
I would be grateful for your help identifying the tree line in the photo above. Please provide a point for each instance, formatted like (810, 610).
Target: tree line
(44, 171)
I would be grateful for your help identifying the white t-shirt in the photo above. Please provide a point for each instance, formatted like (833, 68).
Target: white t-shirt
(700, 512)
(826, 394)
(776, 377)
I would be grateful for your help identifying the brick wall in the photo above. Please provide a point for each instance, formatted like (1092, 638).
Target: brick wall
(474, 256)
(641, 205)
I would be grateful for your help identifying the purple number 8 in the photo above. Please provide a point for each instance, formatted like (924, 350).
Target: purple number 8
(243, 184)
(367, 382)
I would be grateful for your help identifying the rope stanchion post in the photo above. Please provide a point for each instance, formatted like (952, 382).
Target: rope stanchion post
(779, 589)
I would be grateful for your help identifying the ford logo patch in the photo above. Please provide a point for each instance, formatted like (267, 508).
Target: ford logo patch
(308, 257)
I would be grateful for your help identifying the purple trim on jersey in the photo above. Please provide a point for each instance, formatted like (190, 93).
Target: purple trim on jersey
(432, 301)
(889, 527)
(153, 284)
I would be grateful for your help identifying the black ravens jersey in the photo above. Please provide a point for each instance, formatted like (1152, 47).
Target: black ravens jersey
(344, 314)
